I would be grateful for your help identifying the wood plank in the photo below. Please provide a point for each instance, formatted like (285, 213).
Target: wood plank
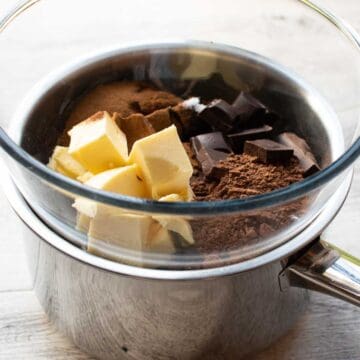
(25, 332)
(14, 273)
(329, 330)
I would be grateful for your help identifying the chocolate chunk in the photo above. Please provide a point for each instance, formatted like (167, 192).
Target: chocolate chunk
(238, 139)
(210, 149)
(219, 115)
(268, 151)
(159, 119)
(302, 151)
(212, 87)
(135, 127)
(213, 141)
(209, 160)
(251, 112)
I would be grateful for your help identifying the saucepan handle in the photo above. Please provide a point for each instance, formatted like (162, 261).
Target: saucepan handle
(326, 269)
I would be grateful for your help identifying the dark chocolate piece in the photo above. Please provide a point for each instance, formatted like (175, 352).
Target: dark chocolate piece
(252, 112)
(159, 119)
(238, 139)
(213, 141)
(302, 151)
(220, 115)
(212, 87)
(135, 127)
(209, 150)
(268, 151)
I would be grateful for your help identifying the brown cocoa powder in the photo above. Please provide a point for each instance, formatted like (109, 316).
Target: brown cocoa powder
(245, 176)
(123, 98)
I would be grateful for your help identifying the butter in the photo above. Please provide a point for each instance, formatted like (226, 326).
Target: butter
(62, 162)
(107, 232)
(163, 161)
(82, 222)
(85, 177)
(185, 195)
(175, 223)
(126, 180)
(172, 198)
(159, 239)
(98, 144)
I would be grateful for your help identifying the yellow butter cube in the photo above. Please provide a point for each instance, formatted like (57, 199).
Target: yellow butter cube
(174, 223)
(110, 232)
(82, 222)
(62, 162)
(163, 161)
(185, 195)
(98, 143)
(177, 225)
(126, 180)
(159, 239)
(85, 177)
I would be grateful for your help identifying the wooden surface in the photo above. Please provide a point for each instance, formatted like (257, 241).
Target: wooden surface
(329, 330)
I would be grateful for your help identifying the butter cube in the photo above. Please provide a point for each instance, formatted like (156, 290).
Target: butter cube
(85, 177)
(159, 239)
(82, 222)
(126, 180)
(62, 162)
(172, 198)
(186, 195)
(109, 232)
(163, 161)
(98, 143)
(176, 224)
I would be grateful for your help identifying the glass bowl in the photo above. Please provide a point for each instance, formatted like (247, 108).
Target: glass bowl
(296, 57)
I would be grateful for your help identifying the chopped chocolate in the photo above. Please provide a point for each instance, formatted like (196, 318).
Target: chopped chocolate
(210, 149)
(238, 139)
(211, 88)
(135, 127)
(185, 114)
(209, 159)
(159, 119)
(213, 141)
(220, 115)
(268, 151)
(251, 112)
(183, 118)
(302, 151)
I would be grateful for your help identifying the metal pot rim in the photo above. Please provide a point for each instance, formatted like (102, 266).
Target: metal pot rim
(26, 214)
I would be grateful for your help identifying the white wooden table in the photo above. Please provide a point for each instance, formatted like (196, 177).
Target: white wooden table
(329, 330)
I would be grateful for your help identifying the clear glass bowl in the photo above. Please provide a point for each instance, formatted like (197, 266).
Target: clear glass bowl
(297, 58)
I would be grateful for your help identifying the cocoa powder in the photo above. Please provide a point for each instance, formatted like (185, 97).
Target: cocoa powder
(245, 176)
(123, 98)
